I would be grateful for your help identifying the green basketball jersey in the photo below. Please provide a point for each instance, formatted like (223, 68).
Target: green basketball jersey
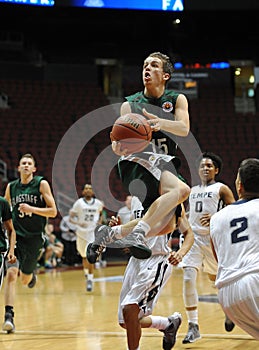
(27, 224)
(163, 107)
(5, 214)
(166, 102)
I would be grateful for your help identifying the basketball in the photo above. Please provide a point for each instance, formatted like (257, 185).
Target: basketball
(132, 131)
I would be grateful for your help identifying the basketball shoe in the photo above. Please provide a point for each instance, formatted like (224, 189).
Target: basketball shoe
(193, 334)
(33, 281)
(8, 324)
(229, 325)
(89, 286)
(169, 337)
(105, 236)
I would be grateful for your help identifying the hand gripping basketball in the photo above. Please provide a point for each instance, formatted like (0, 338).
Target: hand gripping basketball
(132, 131)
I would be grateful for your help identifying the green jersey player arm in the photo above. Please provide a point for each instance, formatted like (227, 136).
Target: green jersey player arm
(125, 108)
(8, 224)
(7, 194)
(49, 211)
(180, 126)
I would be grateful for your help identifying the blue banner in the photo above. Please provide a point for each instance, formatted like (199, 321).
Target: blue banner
(166, 5)
(30, 2)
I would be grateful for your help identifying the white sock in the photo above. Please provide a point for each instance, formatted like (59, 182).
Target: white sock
(159, 322)
(192, 316)
(90, 277)
(142, 225)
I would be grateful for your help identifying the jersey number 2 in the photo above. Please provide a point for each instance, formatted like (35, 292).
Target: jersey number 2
(237, 235)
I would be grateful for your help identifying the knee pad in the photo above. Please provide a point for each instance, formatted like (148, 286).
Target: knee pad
(190, 294)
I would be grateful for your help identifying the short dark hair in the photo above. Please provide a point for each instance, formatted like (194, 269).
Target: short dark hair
(249, 174)
(87, 184)
(168, 66)
(216, 159)
(28, 155)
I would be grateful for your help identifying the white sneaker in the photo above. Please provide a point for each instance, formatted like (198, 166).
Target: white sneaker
(8, 324)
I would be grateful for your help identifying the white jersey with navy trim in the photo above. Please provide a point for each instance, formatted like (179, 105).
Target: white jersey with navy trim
(87, 212)
(235, 235)
(144, 279)
(203, 200)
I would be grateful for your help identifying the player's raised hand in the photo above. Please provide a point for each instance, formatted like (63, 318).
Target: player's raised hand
(153, 121)
(114, 221)
(116, 147)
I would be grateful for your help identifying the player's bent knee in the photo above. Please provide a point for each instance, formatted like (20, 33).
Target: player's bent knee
(130, 312)
(11, 275)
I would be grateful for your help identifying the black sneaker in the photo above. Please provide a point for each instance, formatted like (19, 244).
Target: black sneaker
(33, 281)
(103, 235)
(169, 337)
(8, 324)
(229, 325)
(93, 251)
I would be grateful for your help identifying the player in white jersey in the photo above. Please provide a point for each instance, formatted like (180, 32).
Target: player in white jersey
(86, 213)
(235, 241)
(144, 280)
(205, 199)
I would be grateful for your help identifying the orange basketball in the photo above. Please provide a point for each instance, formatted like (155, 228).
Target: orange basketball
(132, 131)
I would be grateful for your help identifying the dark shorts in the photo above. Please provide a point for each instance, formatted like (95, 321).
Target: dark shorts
(139, 182)
(140, 175)
(28, 251)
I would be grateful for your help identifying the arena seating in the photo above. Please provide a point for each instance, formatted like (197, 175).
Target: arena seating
(41, 112)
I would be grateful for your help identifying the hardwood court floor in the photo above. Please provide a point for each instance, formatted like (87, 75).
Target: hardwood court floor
(59, 314)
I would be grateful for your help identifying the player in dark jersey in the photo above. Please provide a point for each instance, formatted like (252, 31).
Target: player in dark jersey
(7, 237)
(32, 203)
(146, 174)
